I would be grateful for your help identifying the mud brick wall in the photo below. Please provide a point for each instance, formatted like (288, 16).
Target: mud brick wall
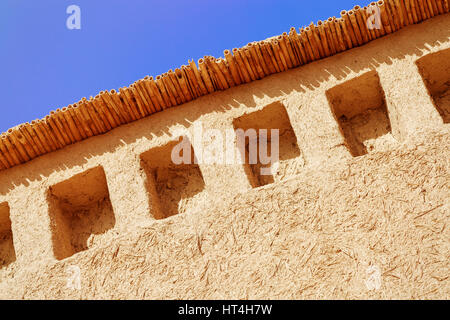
(366, 101)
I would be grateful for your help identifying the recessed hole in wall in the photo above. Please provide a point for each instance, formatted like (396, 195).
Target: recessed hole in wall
(7, 252)
(81, 212)
(273, 116)
(435, 71)
(360, 109)
(173, 188)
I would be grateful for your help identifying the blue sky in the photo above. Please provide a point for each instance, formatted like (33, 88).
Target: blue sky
(44, 65)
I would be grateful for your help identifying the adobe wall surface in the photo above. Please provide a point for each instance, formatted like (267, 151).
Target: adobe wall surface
(363, 181)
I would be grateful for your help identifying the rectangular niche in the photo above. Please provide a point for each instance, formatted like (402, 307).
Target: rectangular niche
(435, 71)
(359, 107)
(273, 116)
(7, 252)
(80, 211)
(172, 188)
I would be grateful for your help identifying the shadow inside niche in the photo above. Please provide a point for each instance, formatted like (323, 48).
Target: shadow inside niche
(435, 71)
(359, 107)
(7, 251)
(172, 187)
(248, 133)
(80, 210)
